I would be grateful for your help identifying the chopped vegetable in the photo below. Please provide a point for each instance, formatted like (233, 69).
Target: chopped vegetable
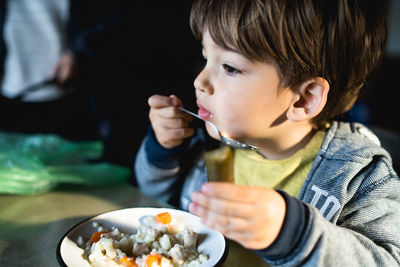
(96, 237)
(152, 258)
(128, 261)
(164, 218)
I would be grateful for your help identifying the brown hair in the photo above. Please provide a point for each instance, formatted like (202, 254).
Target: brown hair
(342, 41)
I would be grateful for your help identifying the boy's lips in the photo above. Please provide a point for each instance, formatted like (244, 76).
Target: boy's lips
(204, 113)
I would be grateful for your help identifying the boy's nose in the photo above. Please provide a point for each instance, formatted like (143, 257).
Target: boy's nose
(202, 83)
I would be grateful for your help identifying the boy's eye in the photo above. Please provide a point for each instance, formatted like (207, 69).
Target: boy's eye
(230, 70)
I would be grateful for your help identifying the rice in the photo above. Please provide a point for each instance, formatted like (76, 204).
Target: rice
(153, 245)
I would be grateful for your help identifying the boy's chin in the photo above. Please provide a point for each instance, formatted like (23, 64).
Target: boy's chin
(211, 132)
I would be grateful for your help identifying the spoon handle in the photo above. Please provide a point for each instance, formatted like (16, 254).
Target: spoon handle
(191, 113)
(197, 116)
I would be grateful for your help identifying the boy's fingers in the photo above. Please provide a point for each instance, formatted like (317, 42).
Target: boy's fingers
(179, 134)
(223, 224)
(173, 113)
(223, 206)
(231, 191)
(175, 101)
(173, 123)
(159, 101)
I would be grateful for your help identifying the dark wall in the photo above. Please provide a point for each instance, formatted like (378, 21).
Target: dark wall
(153, 52)
(380, 103)
(382, 99)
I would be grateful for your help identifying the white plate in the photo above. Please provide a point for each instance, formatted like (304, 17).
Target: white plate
(211, 242)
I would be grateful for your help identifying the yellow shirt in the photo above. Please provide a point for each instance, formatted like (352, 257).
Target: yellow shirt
(245, 167)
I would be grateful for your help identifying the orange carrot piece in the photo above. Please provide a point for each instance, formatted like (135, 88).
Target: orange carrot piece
(96, 237)
(153, 258)
(164, 218)
(128, 261)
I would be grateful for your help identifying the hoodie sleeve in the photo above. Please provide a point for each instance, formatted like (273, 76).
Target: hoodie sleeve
(157, 168)
(366, 233)
(160, 172)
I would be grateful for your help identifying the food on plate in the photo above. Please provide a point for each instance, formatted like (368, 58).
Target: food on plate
(157, 243)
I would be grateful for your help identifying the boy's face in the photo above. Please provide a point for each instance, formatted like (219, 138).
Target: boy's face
(240, 96)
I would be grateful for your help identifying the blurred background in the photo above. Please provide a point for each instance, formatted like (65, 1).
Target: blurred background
(377, 107)
(153, 51)
(110, 57)
(128, 50)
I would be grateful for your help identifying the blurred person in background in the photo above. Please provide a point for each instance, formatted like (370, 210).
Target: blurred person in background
(40, 49)
(48, 53)
(92, 65)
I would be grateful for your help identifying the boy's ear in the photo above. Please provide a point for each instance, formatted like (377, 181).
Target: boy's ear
(310, 98)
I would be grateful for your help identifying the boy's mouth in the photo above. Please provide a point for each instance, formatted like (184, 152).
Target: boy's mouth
(204, 113)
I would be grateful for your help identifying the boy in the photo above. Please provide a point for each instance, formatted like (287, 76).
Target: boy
(317, 191)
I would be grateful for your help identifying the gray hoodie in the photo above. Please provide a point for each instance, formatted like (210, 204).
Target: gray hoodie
(346, 214)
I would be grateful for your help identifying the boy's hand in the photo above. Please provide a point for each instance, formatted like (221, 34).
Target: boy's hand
(170, 124)
(252, 216)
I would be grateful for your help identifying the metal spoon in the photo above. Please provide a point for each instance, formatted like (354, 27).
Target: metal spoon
(226, 140)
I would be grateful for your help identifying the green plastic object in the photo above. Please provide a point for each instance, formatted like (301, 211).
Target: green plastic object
(33, 164)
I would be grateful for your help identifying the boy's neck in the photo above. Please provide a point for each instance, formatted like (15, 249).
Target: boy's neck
(285, 145)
